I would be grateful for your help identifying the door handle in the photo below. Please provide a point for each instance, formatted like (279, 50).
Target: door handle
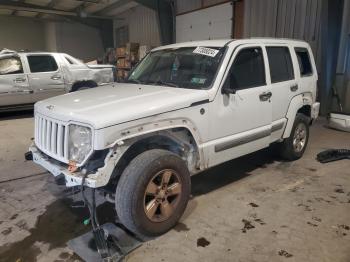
(19, 80)
(265, 96)
(56, 77)
(294, 88)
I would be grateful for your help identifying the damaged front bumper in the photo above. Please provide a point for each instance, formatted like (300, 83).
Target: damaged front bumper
(95, 179)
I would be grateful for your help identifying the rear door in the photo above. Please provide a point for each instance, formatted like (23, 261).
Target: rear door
(14, 85)
(45, 77)
(283, 85)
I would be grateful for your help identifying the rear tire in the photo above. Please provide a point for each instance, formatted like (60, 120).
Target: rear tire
(153, 192)
(293, 147)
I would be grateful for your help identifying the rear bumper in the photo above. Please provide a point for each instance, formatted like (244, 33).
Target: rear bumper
(56, 168)
(315, 110)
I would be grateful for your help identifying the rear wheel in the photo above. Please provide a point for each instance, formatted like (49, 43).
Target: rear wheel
(293, 147)
(153, 192)
(83, 85)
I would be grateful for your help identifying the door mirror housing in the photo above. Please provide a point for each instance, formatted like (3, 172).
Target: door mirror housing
(228, 87)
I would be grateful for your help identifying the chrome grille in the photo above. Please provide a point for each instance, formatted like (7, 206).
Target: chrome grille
(51, 137)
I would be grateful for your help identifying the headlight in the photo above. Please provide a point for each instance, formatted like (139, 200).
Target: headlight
(79, 142)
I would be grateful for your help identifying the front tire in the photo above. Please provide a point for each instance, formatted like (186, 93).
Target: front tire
(153, 192)
(293, 147)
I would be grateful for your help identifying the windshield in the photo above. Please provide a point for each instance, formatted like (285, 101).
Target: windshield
(187, 67)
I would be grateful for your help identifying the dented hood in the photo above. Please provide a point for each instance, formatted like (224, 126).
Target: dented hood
(118, 103)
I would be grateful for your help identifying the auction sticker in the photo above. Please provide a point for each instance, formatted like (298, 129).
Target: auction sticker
(206, 51)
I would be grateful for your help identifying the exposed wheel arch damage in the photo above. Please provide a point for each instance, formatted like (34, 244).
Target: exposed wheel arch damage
(179, 141)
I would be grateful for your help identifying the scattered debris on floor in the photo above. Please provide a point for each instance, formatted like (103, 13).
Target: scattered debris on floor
(344, 227)
(284, 253)
(180, 227)
(202, 242)
(317, 219)
(339, 190)
(247, 225)
(260, 221)
(341, 230)
(312, 224)
(307, 208)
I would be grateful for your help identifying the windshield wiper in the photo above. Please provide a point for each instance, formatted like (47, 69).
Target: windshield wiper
(159, 82)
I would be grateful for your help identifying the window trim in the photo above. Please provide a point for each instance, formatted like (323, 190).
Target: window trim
(290, 59)
(45, 71)
(304, 49)
(234, 56)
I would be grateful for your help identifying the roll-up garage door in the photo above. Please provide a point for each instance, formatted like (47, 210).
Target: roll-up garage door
(208, 23)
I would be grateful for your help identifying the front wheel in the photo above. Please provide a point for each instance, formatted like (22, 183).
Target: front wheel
(293, 147)
(153, 192)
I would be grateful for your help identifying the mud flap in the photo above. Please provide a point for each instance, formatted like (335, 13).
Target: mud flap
(119, 242)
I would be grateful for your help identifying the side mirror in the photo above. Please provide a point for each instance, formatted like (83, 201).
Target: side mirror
(228, 89)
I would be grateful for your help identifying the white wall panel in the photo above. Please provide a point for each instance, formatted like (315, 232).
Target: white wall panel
(79, 40)
(298, 19)
(21, 33)
(187, 5)
(208, 23)
(142, 24)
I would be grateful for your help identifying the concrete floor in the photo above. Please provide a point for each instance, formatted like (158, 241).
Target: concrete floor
(255, 208)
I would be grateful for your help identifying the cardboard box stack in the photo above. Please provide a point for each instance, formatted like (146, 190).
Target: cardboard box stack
(126, 57)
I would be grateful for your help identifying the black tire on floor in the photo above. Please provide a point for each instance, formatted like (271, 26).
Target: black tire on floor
(286, 148)
(130, 195)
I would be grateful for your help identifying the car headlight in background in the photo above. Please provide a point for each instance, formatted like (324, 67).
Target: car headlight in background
(80, 139)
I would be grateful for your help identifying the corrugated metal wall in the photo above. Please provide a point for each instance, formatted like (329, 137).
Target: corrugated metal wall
(142, 24)
(298, 19)
(189, 5)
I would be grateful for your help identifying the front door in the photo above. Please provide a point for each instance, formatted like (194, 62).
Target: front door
(45, 77)
(241, 122)
(14, 86)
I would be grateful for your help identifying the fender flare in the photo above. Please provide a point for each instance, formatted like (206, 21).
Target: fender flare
(295, 104)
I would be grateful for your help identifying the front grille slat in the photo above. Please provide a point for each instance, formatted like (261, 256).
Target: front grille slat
(59, 141)
(54, 138)
(51, 137)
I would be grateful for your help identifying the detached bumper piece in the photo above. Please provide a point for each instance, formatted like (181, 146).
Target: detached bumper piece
(119, 244)
(333, 155)
(340, 121)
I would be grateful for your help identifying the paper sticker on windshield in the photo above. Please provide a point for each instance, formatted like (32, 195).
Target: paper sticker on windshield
(206, 51)
(198, 80)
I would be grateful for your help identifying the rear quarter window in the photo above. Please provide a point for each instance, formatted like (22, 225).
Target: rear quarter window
(303, 61)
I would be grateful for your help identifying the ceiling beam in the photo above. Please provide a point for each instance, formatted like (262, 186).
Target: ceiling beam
(6, 4)
(115, 5)
(52, 3)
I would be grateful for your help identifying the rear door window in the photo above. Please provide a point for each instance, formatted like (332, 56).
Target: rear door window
(248, 69)
(280, 62)
(42, 63)
(304, 61)
(10, 66)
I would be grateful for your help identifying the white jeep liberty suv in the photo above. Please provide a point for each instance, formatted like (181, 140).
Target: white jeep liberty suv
(184, 108)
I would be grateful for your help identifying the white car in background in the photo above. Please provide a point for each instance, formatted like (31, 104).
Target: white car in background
(28, 77)
(185, 108)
